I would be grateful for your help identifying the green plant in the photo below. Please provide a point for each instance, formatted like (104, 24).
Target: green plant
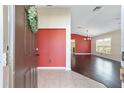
(32, 18)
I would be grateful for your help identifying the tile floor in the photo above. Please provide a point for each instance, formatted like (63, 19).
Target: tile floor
(65, 79)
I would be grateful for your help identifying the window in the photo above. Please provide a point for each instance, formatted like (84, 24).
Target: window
(103, 45)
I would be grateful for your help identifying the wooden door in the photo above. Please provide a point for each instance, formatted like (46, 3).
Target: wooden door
(25, 62)
(52, 47)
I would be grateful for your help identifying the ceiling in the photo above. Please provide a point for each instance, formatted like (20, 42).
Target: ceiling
(83, 18)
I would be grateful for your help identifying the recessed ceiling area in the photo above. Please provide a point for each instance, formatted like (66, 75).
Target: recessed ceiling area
(96, 19)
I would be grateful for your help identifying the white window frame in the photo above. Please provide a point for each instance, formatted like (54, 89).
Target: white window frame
(102, 45)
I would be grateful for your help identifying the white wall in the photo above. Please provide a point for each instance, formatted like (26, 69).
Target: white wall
(115, 42)
(57, 18)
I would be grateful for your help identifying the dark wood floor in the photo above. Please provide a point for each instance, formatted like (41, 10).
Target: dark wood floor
(100, 69)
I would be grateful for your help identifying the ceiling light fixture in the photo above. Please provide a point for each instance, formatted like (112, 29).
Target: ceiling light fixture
(87, 36)
(96, 8)
(79, 27)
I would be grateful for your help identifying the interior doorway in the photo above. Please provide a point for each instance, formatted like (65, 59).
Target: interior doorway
(73, 46)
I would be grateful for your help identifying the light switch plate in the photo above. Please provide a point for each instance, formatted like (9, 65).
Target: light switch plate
(122, 56)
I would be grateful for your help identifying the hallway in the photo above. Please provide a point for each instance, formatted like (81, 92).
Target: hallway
(99, 69)
(65, 79)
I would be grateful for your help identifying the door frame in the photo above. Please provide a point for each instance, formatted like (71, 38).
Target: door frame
(11, 43)
(1, 47)
(73, 41)
(122, 37)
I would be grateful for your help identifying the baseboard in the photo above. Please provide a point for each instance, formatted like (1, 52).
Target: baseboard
(51, 68)
(68, 69)
(106, 57)
(82, 53)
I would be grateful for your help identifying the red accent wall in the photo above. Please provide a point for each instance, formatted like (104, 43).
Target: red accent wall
(82, 46)
(52, 47)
